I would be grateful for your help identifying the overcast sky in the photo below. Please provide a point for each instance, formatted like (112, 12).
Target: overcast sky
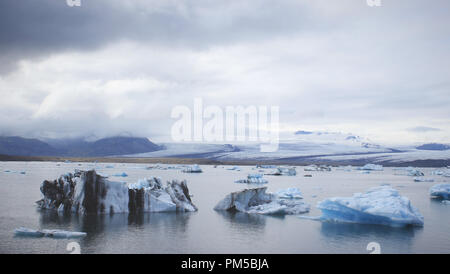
(115, 67)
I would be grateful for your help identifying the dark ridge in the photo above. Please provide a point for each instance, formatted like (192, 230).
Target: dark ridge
(18, 146)
(25, 147)
(433, 146)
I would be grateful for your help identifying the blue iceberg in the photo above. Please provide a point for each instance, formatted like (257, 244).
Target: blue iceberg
(441, 191)
(379, 205)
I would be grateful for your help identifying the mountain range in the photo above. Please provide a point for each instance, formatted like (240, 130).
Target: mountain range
(302, 147)
(112, 146)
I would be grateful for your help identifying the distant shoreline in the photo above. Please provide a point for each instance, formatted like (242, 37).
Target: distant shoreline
(200, 161)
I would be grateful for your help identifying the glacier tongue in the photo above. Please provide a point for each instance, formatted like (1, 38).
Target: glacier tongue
(87, 192)
(257, 201)
(379, 205)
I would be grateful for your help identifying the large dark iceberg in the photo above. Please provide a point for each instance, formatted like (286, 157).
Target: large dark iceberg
(87, 192)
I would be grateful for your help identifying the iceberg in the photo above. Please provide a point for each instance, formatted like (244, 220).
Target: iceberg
(192, 169)
(441, 191)
(53, 233)
(373, 167)
(317, 168)
(414, 172)
(86, 192)
(257, 201)
(286, 171)
(289, 193)
(379, 205)
(265, 166)
(253, 179)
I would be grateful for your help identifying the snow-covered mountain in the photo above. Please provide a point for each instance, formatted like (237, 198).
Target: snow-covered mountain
(306, 147)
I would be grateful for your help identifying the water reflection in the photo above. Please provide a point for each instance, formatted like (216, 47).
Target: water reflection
(103, 228)
(239, 220)
(392, 239)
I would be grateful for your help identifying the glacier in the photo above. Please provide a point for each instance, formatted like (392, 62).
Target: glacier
(87, 192)
(379, 205)
(257, 201)
(441, 191)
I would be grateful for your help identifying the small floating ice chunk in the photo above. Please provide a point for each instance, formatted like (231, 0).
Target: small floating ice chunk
(266, 166)
(373, 167)
(414, 172)
(192, 169)
(440, 191)
(317, 168)
(53, 233)
(109, 166)
(234, 168)
(253, 179)
(289, 193)
(123, 174)
(417, 179)
(379, 205)
(286, 171)
(446, 202)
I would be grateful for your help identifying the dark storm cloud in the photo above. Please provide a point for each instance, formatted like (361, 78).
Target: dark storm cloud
(30, 28)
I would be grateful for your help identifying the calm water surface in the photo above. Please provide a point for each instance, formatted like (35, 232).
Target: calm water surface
(208, 231)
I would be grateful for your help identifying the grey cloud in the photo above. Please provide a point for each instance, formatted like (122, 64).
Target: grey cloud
(420, 129)
(326, 63)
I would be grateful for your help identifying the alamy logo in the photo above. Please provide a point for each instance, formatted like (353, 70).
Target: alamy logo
(374, 3)
(233, 123)
(73, 3)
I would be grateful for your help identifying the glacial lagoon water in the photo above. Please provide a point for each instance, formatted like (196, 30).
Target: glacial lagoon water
(208, 231)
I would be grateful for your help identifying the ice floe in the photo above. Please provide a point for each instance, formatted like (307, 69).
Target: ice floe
(53, 233)
(88, 192)
(379, 205)
(440, 191)
(257, 201)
